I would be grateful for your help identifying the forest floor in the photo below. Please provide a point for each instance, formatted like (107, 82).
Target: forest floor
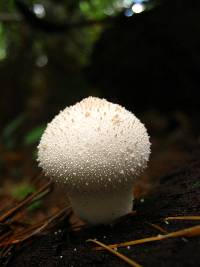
(38, 230)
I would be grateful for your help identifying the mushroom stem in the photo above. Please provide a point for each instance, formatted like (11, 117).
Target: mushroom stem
(102, 207)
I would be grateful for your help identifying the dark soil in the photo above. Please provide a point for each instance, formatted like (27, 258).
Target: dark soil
(177, 194)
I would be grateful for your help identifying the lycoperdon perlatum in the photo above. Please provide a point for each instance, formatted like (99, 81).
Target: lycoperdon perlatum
(96, 149)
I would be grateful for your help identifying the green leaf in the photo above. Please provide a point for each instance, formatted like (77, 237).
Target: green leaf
(96, 9)
(34, 135)
(2, 43)
(22, 191)
(35, 205)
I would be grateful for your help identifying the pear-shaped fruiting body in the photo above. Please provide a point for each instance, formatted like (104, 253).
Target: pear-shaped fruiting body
(96, 148)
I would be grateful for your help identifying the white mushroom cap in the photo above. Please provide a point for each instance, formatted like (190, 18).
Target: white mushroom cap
(94, 147)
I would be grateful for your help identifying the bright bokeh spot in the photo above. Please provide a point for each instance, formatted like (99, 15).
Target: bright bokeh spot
(138, 8)
(42, 61)
(39, 10)
(128, 12)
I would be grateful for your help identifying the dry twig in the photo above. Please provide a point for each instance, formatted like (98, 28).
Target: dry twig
(187, 232)
(28, 233)
(158, 227)
(116, 253)
(45, 189)
(189, 218)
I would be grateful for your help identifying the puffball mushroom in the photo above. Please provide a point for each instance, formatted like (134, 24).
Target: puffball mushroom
(96, 149)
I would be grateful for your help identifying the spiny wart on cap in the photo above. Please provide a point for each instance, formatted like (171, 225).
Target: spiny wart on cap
(94, 146)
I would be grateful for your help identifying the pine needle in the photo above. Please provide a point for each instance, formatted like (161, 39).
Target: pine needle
(192, 218)
(116, 253)
(187, 232)
(26, 234)
(45, 189)
(158, 227)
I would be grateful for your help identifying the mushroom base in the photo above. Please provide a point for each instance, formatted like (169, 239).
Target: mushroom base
(102, 208)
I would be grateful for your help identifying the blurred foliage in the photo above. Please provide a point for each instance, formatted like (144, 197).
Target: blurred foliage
(22, 191)
(12, 126)
(8, 5)
(62, 11)
(42, 73)
(37, 69)
(34, 135)
(70, 10)
(98, 9)
(2, 43)
(9, 132)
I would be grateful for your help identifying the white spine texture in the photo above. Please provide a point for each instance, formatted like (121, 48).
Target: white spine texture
(97, 149)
